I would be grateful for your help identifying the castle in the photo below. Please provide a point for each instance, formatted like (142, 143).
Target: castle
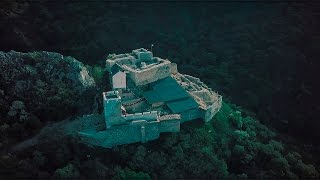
(149, 96)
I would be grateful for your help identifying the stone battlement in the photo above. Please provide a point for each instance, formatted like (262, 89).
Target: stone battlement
(148, 116)
(111, 94)
(142, 68)
(143, 54)
(169, 117)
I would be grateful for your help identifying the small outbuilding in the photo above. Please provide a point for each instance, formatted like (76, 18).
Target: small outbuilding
(119, 77)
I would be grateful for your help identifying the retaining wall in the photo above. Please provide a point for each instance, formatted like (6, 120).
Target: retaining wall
(137, 131)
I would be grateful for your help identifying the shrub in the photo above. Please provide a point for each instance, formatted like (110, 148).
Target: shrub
(127, 173)
(306, 170)
(238, 150)
(279, 165)
(66, 172)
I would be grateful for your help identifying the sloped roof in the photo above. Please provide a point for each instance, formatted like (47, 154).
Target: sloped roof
(182, 105)
(115, 69)
(164, 90)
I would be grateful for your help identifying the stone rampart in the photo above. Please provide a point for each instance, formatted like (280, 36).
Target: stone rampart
(212, 110)
(117, 135)
(137, 131)
(121, 59)
(112, 108)
(191, 115)
(170, 123)
(133, 102)
(152, 74)
(148, 116)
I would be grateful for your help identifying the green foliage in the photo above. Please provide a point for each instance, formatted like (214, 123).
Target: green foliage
(127, 173)
(246, 63)
(213, 150)
(62, 99)
(98, 74)
(38, 158)
(238, 150)
(236, 119)
(66, 172)
(279, 165)
(306, 170)
(221, 119)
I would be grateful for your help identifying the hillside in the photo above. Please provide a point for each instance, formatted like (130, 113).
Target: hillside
(261, 57)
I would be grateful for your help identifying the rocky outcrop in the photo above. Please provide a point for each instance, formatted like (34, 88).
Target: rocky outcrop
(40, 87)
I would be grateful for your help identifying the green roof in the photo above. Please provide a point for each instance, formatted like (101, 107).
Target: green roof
(167, 89)
(151, 97)
(115, 69)
(182, 105)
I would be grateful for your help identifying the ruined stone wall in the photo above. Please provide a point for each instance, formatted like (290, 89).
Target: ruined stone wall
(151, 74)
(206, 96)
(133, 102)
(148, 116)
(127, 96)
(173, 68)
(121, 58)
(136, 107)
(212, 110)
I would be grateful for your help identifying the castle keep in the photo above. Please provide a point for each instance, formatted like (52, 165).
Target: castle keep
(149, 96)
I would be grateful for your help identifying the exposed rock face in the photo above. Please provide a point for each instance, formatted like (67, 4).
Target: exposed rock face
(43, 85)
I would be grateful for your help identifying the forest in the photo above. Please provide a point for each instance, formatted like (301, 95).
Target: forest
(262, 57)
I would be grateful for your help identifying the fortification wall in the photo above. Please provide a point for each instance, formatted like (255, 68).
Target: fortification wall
(116, 135)
(112, 108)
(137, 131)
(151, 74)
(152, 131)
(127, 96)
(191, 115)
(205, 95)
(143, 54)
(212, 110)
(121, 58)
(148, 116)
(132, 102)
(137, 107)
(170, 123)
(173, 68)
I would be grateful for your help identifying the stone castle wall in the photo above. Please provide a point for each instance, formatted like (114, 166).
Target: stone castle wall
(212, 110)
(117, 135)
(136, 131)
(170, 123)
(121, 58)
(112, 108)
(151, 74)
(148, 116)
(142, 127)
(191, 115)
(136, 107)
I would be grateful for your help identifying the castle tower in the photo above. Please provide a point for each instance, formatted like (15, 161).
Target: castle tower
(112, 108)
